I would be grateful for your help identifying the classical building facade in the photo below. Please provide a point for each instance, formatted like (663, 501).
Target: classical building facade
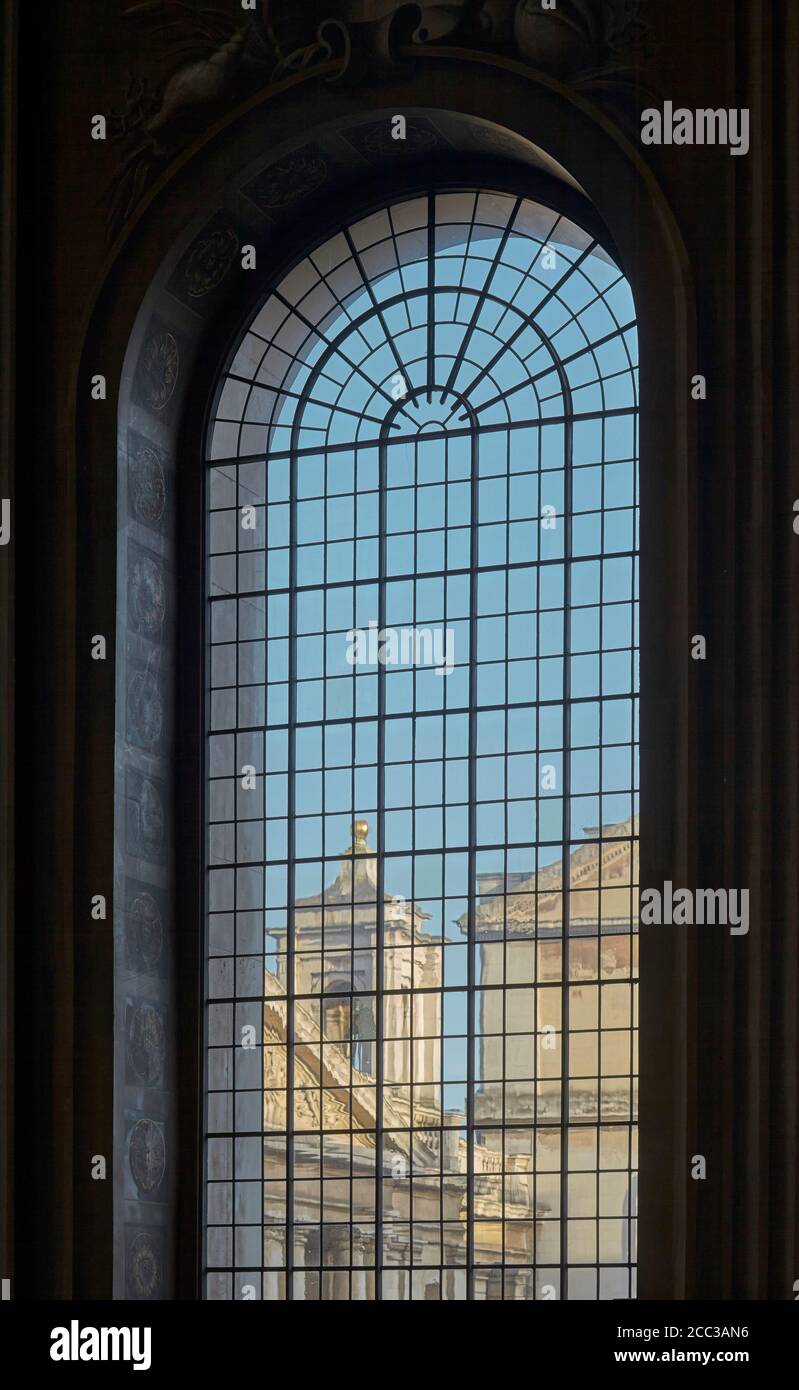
(382, 1150)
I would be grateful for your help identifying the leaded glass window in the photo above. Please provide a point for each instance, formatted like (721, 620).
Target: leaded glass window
(422, 768)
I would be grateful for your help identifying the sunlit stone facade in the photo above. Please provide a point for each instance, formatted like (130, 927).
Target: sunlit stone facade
(506, 1177)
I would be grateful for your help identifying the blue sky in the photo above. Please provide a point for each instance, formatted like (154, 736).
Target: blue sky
(525, 321)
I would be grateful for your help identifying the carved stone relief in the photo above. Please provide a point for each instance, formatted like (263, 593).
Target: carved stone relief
(145, 821)
(146, 1043)
(147, 1157)
(223, 56)
(145, 707)
(158, 369)
(144, 929)
(289, 180)
(147, 601)
(144, 1263)
(146, 483)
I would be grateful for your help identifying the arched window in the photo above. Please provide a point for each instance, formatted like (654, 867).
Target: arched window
(422, 767)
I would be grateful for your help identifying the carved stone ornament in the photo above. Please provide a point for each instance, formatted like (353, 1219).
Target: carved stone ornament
(158, 369)
(223, 54)
(379, 27)
(145, 709)
(578, 37)
(145, 819)
(210, 261)
(146, 930)
(145, 1265)
(146, 1044)
(563, 40)
(147, 484)
(146, 593)
(147, 1155)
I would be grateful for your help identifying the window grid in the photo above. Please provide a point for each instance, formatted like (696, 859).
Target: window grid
(261, 628)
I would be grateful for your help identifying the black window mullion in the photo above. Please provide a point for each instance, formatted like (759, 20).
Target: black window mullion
(471, 901)
(528, 321)
(462, 432)
(380, 874)
(431, 295)
(566, 861)
(480, 300)
(290, 872)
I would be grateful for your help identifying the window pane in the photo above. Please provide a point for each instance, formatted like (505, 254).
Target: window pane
(422, 769)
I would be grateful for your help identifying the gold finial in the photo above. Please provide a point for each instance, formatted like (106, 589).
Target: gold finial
(360, 830)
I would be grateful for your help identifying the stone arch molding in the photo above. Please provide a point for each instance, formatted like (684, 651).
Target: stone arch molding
(177, 311)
